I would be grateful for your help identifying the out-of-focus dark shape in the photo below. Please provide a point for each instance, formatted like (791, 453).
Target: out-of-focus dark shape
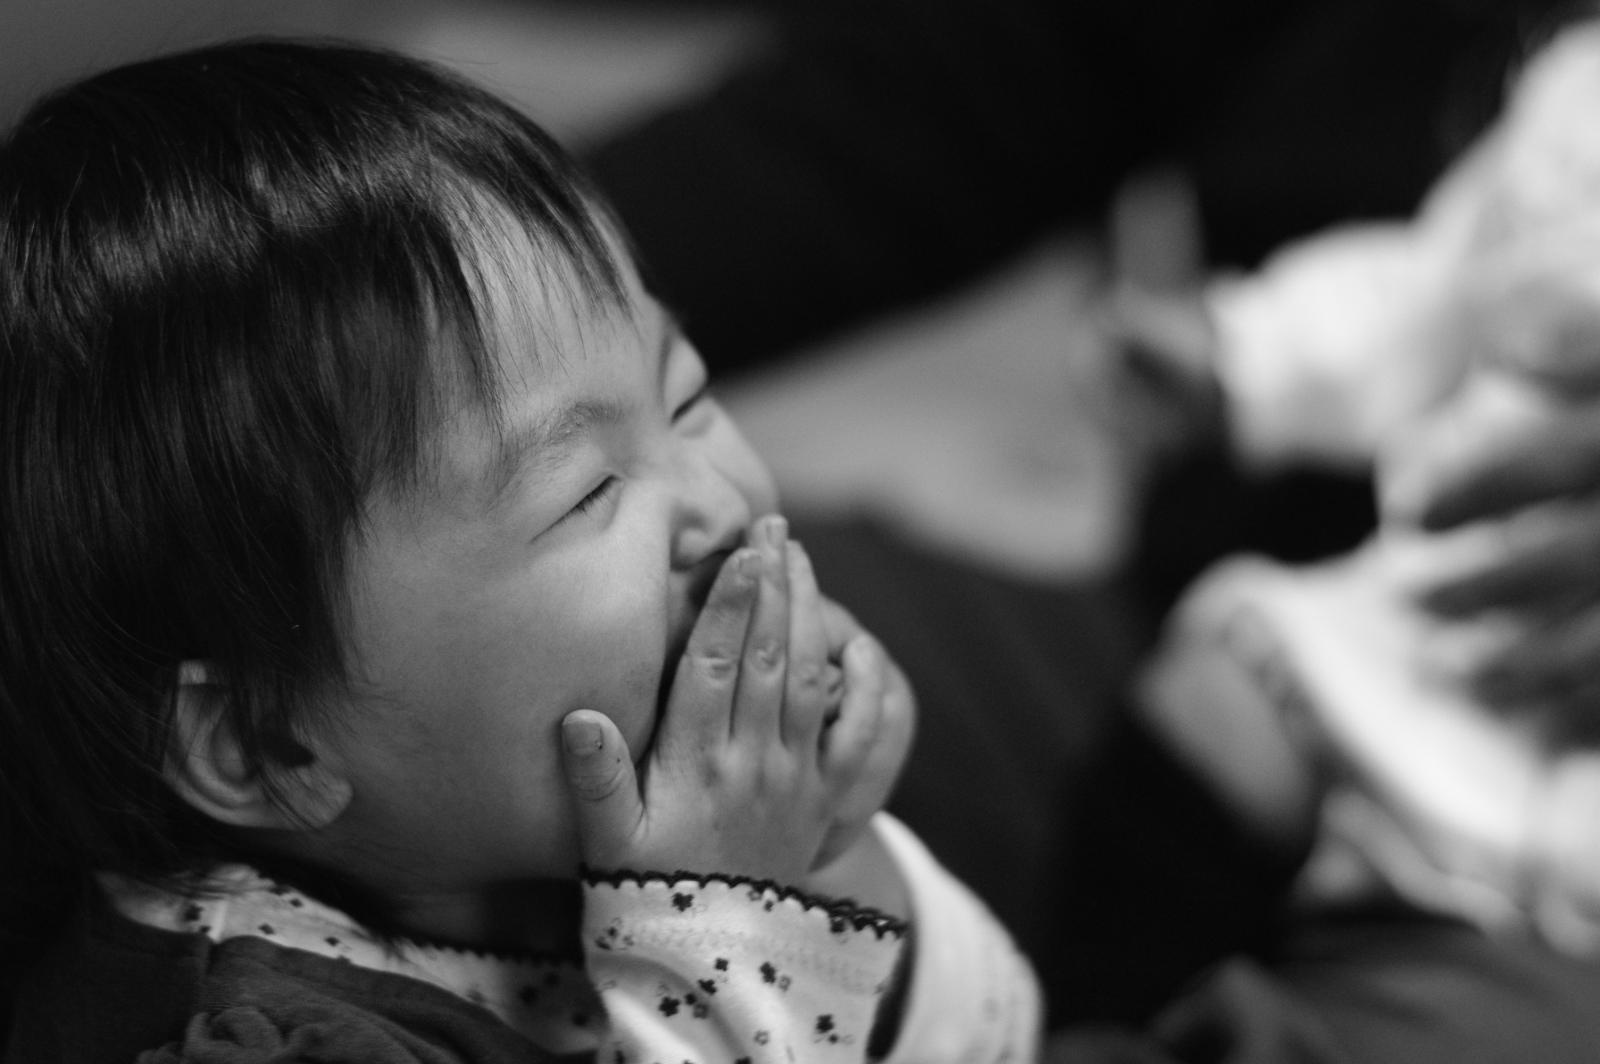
(885, 151)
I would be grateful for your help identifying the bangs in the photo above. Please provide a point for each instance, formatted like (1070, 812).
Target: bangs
(223, 186)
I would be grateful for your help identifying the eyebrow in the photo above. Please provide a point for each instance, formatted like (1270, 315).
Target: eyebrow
(541, 444)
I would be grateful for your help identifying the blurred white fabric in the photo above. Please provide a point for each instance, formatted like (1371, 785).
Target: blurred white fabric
(1414, 786)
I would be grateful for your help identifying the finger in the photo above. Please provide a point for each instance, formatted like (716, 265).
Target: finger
(865, 780)
(896, 732)
(601, 782)
(1514, 663)
(870, 779)
(839, 626)
(758, 702)
(888, 752)
(1546, 662)
(1545, 556)
(700, 705)
(1457, 474)
(833, 688)
(806, 691)
(852, 736)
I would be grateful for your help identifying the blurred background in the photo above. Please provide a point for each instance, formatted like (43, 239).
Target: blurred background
(583, 69)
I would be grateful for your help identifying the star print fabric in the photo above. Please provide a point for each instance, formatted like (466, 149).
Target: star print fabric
(713, 969)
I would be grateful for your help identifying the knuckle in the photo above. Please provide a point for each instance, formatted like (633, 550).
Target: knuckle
(767, 654)
(777, 770)
(713, 663)
(598, 786)
(712, 774)
(695, 766)
(808, 676)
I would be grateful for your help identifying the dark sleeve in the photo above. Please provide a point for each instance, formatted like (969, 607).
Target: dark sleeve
(295, 1032)
(248, 1035)
(886, 149)
(263, 1004)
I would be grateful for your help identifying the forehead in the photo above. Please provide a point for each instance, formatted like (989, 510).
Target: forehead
(553, 345)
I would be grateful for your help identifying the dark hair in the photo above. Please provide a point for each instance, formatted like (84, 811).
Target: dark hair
(237, 287)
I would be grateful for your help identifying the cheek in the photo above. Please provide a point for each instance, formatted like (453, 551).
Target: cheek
(600, 644)
(521, 657)
(472, 721)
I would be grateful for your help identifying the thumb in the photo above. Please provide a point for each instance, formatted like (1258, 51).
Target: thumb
(601, 781)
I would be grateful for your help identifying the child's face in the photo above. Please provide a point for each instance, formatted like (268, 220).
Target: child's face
(566, 577)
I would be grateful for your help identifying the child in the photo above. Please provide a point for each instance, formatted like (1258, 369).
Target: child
(402, 661)
(1357, 692)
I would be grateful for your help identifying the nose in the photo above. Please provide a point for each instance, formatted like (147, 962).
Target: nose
(717, 496)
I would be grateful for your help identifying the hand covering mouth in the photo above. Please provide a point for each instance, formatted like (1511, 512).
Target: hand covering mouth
(683, 625)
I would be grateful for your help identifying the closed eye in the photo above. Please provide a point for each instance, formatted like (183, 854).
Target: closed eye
(687, 406)
(602, 491)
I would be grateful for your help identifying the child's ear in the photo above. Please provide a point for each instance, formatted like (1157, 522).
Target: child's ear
(207, 767)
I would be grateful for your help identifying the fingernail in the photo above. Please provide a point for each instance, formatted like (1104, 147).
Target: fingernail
(747, 565)
(774, 530)
(582, 736)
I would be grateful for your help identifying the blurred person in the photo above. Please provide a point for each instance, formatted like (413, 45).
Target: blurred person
(1425, 708)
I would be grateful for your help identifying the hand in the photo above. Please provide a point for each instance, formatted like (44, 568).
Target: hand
(746, 775)
(1514, 604)
(1495, 505)
(1496, 448)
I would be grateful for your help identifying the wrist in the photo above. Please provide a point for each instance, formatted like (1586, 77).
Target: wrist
(865, 873)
